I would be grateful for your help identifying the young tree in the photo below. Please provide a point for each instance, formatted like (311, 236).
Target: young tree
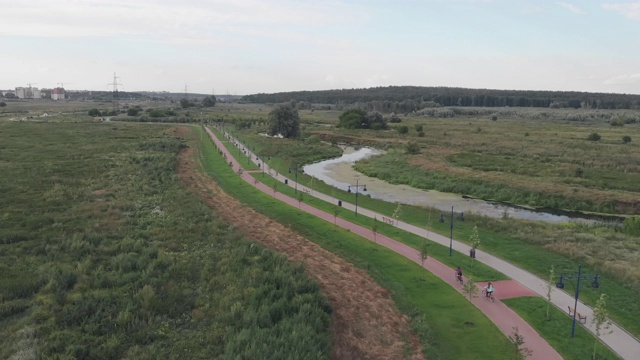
(550, 288)
(397, 213)
(374, 228)
(517, 340)
(474, 240)
(424, 252)
(275, 186)
(300, 198)
(469, 288)
(336, 212)
(284, 120)
(600, 320)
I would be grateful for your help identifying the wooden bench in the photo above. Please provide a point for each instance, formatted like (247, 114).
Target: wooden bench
(581, 318)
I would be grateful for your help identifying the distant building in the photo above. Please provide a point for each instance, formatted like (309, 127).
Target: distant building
(57, 94)
(27, 93)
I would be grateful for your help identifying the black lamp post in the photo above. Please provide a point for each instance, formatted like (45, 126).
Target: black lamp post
(560, 285)
(294, 167)
(451, 237)
(357, 186)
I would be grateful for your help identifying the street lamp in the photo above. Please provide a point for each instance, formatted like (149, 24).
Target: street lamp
(560, 285)
(451, 236)
(295, 168)
(357, 186)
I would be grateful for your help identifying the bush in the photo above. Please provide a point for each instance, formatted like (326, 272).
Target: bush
(421, 134)
(95, 112)
(593, 137)
(393, 118)
(133, 112)
(494, 117)
(419, 127)
(412, 148)
(626, 139)
(2, 103)
(403, 130)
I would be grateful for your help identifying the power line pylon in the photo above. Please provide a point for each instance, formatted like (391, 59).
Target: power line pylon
(115, 91)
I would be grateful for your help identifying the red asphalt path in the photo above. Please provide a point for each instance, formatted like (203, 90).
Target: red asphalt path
(501, 315)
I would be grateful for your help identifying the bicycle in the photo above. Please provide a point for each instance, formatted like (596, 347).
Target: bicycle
(459, 278)
(490, 297)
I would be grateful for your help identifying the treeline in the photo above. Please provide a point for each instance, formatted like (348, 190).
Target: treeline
(406, 99)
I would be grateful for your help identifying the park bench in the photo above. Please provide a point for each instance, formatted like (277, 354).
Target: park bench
(581, 318)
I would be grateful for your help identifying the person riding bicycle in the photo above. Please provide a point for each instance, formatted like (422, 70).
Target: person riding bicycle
(489, 289)
(459, 273)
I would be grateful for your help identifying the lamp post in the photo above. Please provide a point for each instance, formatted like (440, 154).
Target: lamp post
(451, 236)
(294, 167)
(580, 275)
(357, 186)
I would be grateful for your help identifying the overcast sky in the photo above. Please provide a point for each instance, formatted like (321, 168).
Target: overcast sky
(250, 46)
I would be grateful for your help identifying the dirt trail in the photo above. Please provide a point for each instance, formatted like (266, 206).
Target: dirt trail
(365, 321)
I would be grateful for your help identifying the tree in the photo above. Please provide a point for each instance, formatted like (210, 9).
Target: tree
(133, 112)
(593, 137)
(353, 119)
(393, 118)
(374, 228)
(397, 213)
(275, 186)
(336, 212)
(94, 112)
(284, 120)
(300, 198)
(424, 252)
(600, 320)
(626, 139)
(376, 121)
(474, 240)
(403, 129)
(517, 340)
(209, 101)
(184, 103)
(469, 288)
(550, 288)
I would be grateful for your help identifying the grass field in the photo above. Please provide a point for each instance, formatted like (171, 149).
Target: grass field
(104, 255)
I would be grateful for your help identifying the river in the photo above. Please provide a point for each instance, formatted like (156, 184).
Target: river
(339, 173)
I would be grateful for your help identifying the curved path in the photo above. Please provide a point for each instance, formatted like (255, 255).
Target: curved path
(505, 318)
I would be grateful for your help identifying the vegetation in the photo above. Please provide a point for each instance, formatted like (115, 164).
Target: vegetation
(403, 99)
(600, 320)
(209, 101)
(557, 329)
(106, 256)
(358, 119)
(284, 120)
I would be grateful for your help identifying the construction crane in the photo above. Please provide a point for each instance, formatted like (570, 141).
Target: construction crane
(62, 84)
(30, 84)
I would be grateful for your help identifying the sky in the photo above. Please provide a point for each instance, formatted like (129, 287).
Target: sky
(243, 47)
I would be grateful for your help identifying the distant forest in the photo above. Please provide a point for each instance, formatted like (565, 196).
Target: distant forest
(413, 98)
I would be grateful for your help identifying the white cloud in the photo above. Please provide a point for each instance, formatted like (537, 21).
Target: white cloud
(630, 10)
(623, 79)
(572, 8)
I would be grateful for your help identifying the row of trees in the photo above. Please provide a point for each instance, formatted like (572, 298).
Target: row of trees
(404, 98)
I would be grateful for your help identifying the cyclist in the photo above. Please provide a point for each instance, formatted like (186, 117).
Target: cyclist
(459, 273)
(489, 289)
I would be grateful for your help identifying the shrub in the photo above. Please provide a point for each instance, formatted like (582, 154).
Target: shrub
(94, 112)
(494, 117)
(393, 118)
(419, 127)
(133, 112)
(403, 130)
(626, 139)
(412, 148)
(593, 137)
(421, 134)
(2, 103)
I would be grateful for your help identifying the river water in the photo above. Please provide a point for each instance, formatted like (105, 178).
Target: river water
(339, 173)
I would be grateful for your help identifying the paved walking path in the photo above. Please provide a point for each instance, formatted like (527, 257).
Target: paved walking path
(619, 340)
